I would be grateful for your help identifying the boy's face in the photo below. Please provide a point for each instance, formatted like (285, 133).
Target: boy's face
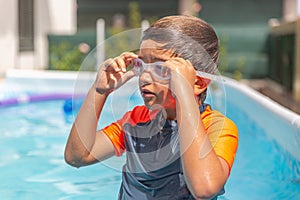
(153, 90)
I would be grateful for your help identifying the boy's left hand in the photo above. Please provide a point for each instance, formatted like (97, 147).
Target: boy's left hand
(183, 74)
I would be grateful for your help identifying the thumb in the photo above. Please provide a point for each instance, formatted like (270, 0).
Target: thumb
(125, 77)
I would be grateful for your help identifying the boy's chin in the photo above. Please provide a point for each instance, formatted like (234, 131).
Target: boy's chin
(150, 104)
(154, 105)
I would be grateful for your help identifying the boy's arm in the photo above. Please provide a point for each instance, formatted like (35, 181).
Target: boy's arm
(85, 145)
(205, 173)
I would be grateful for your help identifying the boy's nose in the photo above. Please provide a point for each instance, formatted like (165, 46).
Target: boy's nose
(146, 77)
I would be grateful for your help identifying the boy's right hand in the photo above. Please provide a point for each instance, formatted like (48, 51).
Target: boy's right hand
(113, 73)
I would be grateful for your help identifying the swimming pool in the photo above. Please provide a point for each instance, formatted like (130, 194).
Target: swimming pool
(33, 136)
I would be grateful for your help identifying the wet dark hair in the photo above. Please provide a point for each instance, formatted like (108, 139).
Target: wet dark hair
(190, 38)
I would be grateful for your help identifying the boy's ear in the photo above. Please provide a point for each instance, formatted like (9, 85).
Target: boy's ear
(200, 85)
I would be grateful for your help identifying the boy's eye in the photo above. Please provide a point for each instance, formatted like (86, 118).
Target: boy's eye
(158, 67)
(161, 70)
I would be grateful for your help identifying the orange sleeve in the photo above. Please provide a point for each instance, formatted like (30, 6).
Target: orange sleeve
(115, 134)
(223, 135)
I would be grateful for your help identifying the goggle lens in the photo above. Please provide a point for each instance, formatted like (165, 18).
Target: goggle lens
(157, 69)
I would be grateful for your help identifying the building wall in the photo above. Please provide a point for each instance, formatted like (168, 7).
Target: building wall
(8, 33)
(90, 10)
(291, 9)
(243, 29)
(53, 17)
(50, 16)
(233, 20)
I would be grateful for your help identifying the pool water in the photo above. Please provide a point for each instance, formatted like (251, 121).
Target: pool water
(32, 166)
(33, 137)
(262, 169)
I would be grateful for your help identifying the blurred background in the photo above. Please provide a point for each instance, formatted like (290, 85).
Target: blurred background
(260, 39)
(45, 43)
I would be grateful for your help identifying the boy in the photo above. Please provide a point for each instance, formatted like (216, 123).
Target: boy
(176, 146)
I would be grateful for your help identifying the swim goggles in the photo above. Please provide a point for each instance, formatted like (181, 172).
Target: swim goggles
(157, 69)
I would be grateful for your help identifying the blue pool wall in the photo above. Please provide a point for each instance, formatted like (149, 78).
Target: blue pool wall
(267, 114)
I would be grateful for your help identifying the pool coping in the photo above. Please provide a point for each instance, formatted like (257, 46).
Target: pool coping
(269, 103)
(287, 137)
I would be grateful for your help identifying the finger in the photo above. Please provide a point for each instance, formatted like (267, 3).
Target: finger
(125, 77)
(113, 67)
(182, 69)
(173, 64)
(181, 64)
(112, 81)
(178, 61)
(106, 63)
(128, 57)
(121, 63)
(128, 75)
(190, 64)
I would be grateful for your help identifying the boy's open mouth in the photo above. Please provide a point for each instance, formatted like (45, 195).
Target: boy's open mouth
(147, 93)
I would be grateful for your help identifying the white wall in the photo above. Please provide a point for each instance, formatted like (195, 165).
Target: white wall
(50, 17)
(291, 9)
(8, 33)
(62, 16)
(298, 8)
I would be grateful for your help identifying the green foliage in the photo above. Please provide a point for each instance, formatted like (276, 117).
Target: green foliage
(66, 56)
(134, 15)
(223, 63)
(120, 40)
(237, 74)
(119, 43)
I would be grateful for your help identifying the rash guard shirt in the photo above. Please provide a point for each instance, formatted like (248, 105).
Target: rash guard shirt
(153, 167)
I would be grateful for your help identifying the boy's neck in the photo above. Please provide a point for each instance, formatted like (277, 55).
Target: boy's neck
(171, 114)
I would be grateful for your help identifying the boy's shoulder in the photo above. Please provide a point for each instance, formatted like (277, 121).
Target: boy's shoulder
(212, 117)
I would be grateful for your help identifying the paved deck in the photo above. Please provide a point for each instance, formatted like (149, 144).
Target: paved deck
(275, 92)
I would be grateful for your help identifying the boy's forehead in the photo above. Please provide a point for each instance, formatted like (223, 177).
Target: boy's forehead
(151, 50)
(150, 44)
